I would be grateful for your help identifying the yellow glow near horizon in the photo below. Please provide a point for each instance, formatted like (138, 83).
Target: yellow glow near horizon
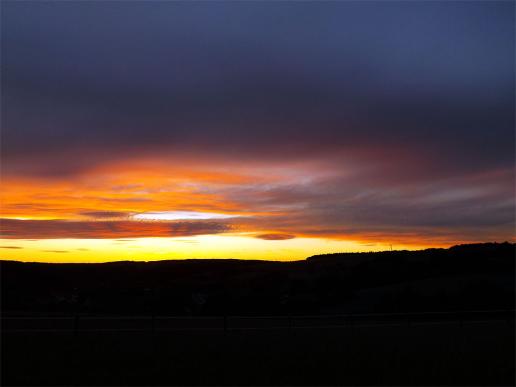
(153, 249)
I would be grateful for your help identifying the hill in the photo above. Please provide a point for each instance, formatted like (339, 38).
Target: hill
(476, 276)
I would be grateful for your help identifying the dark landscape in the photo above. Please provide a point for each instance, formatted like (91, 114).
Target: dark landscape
(467, 277)
(430, 317)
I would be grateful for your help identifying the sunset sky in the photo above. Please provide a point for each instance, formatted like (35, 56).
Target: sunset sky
(265, 130)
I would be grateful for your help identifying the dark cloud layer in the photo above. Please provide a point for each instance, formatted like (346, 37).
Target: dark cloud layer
(105, 214)
(85, 83)
(471, 208)
(51, 229)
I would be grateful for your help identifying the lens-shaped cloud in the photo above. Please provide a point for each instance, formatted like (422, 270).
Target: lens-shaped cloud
(275, 237)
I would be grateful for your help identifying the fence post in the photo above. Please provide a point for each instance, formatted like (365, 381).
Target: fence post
(75, 325)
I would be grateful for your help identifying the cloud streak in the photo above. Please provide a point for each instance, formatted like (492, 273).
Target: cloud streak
(105, 214)
(57, 229)
(275, 237)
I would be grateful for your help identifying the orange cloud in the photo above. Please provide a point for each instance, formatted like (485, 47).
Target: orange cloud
(272, 202)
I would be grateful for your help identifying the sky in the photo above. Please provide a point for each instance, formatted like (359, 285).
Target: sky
(153, 130)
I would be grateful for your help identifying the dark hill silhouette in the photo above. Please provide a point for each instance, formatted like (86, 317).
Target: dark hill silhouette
(476, 276)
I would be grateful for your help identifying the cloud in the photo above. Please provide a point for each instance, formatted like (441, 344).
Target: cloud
(302, 200)
(275, 237)
(55, 251)
(404, 130)
(52, 229)
(105, 214)
(334, 89)
(470, 208)
(11, 247)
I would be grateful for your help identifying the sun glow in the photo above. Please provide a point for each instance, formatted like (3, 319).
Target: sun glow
(153, 249)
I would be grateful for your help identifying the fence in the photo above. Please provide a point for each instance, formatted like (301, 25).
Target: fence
(228, 323)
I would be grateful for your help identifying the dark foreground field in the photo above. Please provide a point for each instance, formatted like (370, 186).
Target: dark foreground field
(474, 353)
(433, 317)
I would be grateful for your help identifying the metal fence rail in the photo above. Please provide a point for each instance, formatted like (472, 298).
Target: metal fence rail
(226, 323)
